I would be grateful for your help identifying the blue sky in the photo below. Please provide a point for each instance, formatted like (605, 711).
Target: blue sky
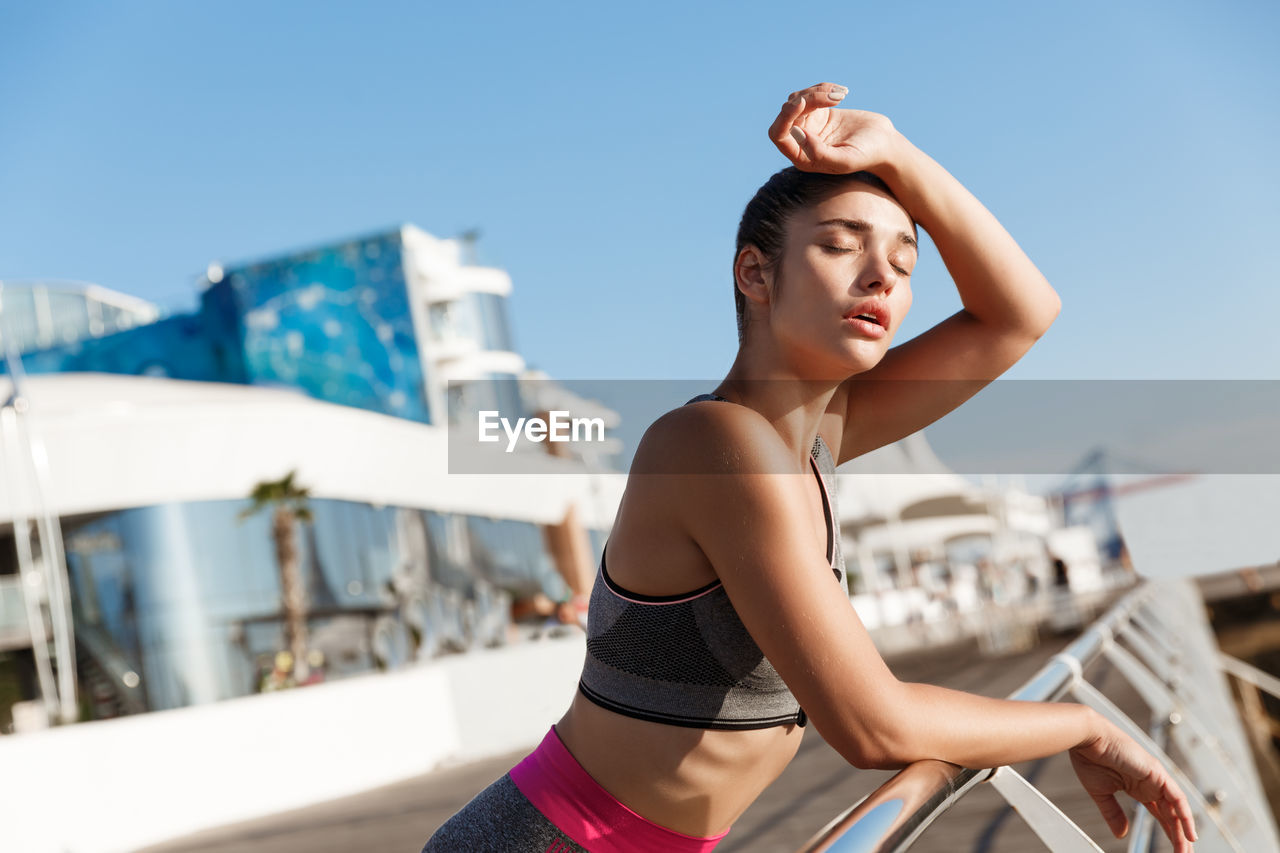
(605, 152)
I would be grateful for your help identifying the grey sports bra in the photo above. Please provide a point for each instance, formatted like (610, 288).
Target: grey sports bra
(687, 660)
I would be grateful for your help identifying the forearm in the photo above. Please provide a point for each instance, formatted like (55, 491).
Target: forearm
(978, 731)
(997, 282)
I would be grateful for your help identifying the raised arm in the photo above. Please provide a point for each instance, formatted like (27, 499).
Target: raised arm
(1008, 304)
(755, 526)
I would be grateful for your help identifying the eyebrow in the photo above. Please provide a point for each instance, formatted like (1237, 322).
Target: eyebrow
(862, 226)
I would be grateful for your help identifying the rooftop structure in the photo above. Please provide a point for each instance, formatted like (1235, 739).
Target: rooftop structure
(41, 314)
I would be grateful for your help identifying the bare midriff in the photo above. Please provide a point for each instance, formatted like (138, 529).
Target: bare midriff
(695, 781)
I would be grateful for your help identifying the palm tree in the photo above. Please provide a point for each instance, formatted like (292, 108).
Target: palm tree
(288, 504)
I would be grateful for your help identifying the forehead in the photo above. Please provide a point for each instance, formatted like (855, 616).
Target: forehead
(858, 201)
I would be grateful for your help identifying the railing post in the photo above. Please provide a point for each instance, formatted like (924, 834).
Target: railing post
(1058, 832)
(1246, 672)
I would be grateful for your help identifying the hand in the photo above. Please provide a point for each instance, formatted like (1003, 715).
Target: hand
(1113, 761)
(816, 137)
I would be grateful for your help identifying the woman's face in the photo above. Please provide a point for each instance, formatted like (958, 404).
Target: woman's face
(843, 285)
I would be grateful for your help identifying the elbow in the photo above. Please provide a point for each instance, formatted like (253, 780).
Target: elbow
(1050, 311)
(1047, 309)
(884, 749)
(1030, 327)
(860, 752)
(874, 738)
(1037, 315)
(1018, 328)
(876, 757)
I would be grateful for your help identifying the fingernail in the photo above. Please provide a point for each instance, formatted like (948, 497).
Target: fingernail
(798, 135)
(836, 95)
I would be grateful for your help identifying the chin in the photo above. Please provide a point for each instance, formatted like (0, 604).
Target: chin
(863, 361)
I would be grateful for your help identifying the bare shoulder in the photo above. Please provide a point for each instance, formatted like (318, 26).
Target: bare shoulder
(688, 481)
(710, 437)
(714, 469)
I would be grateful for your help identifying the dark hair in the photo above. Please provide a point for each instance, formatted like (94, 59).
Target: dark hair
(764, 221)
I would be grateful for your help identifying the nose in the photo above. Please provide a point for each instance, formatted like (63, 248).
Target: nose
(877, 276)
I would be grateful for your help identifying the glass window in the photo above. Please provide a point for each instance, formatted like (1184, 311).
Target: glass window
(441, 319)
(447, 550)
(512, 555)
(496, 392)
(455, 321)
(18, 318)
(490, 311)
(503, 393)
(103, 585)
(69, 314)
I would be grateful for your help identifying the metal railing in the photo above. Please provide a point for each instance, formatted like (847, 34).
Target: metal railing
(42, 564)
(1158, 639)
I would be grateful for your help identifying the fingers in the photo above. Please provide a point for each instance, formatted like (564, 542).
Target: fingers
(1161, 815)
(1113, 814)
(1174, 829)
(799, 104)
(1175, 818)
(780, 130)
(1174, 810)
(1181, 809)
(821, 95)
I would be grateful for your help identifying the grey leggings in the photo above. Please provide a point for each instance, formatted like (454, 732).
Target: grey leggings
(500, 820)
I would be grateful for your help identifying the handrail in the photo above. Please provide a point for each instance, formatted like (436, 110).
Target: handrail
(1188, 704)
(1263, 681)
(45, 583)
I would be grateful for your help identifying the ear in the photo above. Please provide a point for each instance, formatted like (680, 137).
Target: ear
(754, 280)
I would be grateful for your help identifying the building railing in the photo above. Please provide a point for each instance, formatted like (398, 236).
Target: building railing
(14, 632)
(1158, 639)
(42, 564)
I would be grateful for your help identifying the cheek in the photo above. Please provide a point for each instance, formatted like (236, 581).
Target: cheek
(903, 308)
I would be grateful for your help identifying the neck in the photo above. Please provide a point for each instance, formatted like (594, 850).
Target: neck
(793, 403)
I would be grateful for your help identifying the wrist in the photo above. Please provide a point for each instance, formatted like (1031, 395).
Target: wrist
(1093, 729)
(906, 171)
(900, 159)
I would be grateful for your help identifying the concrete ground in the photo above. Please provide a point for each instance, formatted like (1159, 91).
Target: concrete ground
(817, 786)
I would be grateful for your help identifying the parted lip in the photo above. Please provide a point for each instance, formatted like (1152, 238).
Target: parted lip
(878, 311)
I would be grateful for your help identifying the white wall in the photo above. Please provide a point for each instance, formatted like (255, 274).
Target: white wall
(114, 442)
(120, 784)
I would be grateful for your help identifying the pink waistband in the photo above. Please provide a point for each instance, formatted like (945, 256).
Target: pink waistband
(553, 780)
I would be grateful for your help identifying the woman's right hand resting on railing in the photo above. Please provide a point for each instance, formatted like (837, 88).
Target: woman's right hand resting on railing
(777, 577)
(1110, 762)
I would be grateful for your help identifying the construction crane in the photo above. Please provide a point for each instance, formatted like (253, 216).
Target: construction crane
(1087, 494)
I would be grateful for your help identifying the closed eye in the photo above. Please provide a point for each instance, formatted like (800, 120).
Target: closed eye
(839, 250)
(899, 270)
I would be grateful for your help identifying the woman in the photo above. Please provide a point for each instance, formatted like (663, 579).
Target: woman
(716, 627)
